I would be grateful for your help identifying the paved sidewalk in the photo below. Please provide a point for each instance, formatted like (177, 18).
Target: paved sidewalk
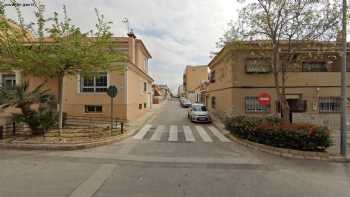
(137, 124)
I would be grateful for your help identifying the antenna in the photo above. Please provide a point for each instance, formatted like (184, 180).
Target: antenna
(127, 23)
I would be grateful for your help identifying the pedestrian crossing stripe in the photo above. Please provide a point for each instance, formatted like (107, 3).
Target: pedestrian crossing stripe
(141, 134)
(157, 135)
(173, 133)
(205, 137)
(188, 134)
(173, 137)
(218, 134)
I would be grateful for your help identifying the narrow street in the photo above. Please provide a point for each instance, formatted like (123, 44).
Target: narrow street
(169, 156)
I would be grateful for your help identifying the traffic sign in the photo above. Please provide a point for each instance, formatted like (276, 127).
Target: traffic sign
(264, 99)
(112, 91)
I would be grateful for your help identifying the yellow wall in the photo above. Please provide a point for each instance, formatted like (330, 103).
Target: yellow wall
(75, 101)
(136, 94)
(233, 84)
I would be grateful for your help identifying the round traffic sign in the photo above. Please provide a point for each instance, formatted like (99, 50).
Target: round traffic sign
(112, 91)
(264, 99)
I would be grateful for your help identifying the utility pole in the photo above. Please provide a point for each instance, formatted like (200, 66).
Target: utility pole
(343, 119)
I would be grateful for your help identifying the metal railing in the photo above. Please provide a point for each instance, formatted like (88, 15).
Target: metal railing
(89, 124)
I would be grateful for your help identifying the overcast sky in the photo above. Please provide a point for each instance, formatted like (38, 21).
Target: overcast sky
(176, 32)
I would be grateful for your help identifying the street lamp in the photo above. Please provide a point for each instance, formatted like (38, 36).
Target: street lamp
(343, 119)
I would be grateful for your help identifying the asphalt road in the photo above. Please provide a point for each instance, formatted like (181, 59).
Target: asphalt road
(169, 157)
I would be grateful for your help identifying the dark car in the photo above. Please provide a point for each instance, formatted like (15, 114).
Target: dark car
(185, 103)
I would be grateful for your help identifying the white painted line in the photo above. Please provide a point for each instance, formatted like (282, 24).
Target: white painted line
(173, 134)
(188, 134)
(94, 182)
(141, 134)
(157, 135)
(205, 137)
(218, 134)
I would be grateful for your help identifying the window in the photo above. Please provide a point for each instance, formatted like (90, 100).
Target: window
(258, 66)
(315, 67)
(9, 81)
(145, 87)
(140, 106)
(145, 105)
(94, 83)
(213, 102)
(199, 108)
(93, 109)
(212, 77)
(329, 104)
(252, 105)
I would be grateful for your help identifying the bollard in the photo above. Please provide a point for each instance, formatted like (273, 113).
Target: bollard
(122, 127)
(14, 129)
(1, 132)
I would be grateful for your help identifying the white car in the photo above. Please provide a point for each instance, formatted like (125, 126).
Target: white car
(198, 113)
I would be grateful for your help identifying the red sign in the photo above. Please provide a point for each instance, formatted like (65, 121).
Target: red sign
(264, 99)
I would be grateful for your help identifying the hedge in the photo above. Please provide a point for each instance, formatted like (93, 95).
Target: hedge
(272, 131)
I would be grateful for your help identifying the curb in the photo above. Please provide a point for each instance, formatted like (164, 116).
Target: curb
(80, 146)
(64, 147)
(281, 152)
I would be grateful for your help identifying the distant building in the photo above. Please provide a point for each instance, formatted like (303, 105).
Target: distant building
(160, 93)
(192, 78)
(180, 91)
(201, 92)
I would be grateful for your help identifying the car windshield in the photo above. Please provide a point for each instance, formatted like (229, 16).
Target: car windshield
(199, 108)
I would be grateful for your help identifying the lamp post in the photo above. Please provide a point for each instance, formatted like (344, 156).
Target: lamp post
(343, 119)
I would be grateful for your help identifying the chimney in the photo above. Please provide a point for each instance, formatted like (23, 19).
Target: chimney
(131, 34)
(132, 47)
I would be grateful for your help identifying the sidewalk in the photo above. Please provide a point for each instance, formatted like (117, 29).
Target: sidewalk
(132, 128)
(135, 125)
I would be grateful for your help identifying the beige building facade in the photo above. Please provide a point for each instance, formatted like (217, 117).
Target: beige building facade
(86, 95)
(192, 78)
(240, 75)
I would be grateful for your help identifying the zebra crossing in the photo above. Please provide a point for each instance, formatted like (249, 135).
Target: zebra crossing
(184, 133)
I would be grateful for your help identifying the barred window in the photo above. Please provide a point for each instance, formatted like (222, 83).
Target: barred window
(330, 104)
(252, 105)
(94, 83)
(258, 66)
(315, 67)
(93, 109)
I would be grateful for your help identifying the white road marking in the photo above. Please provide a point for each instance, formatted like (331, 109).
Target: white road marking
(188, 134)
(205, 137)
(218, 134)
(173, 134)
(157, 135)
(141, 134)
(92, 184)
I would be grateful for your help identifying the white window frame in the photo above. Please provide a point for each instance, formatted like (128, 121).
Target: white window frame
(3, 77)
(94, 88)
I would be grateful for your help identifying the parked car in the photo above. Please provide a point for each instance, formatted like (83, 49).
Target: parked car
(185, 102)
(199, 113)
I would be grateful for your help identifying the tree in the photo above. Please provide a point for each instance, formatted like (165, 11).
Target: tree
(66, 51)
(286, 25)
(21, 97)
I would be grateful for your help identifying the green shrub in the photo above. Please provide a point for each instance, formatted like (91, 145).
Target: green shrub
(39, 121)
(271, 131)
